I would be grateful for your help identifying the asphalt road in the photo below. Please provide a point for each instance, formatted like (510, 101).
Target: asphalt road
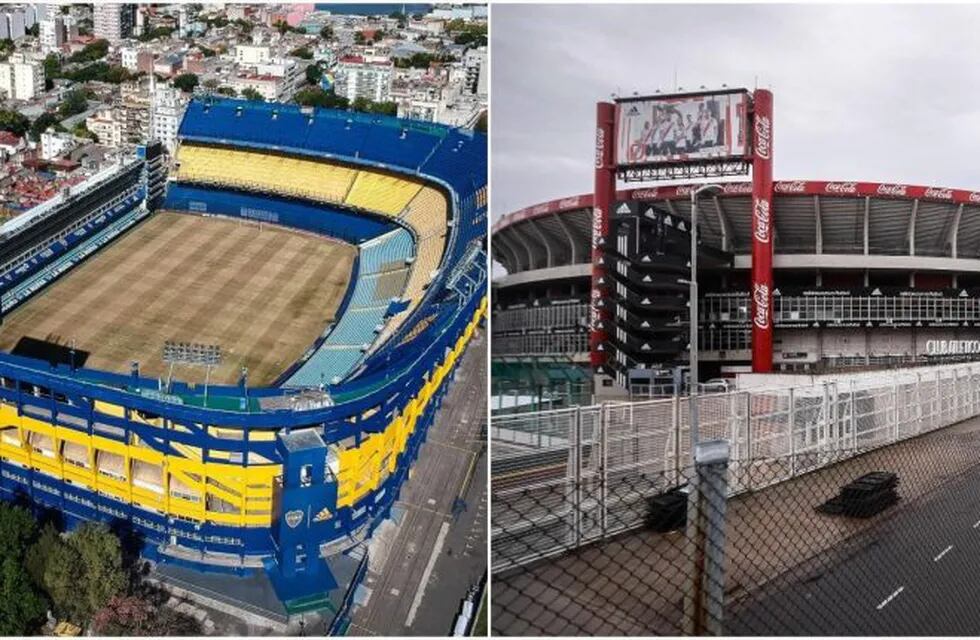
(438, 550)
(918, 573)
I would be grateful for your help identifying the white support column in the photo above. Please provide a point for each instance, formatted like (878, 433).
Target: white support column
(867, 216)
(547, 246)
(819, 226)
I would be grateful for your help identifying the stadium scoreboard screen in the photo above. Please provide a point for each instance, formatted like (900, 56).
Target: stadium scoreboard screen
(685, 128)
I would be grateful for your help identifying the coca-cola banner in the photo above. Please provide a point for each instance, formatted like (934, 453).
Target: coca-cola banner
(678, 128)
(762, 240)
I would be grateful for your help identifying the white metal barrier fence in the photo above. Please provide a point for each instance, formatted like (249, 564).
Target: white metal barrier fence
(564, 478)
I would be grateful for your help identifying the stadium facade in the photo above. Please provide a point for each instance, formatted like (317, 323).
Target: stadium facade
(284, 478)
(865, 274)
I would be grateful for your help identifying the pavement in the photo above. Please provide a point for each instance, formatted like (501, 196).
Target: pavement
(917, 574)
(423, 562)
(790, 569)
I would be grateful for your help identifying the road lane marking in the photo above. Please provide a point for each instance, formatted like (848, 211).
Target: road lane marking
(885, 602)
(977, 524)
(944, 552)
(420, 592)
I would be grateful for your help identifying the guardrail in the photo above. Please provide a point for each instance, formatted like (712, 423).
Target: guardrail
(564, 478)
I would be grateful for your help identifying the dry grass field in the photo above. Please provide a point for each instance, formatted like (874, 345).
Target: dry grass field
(264, 294)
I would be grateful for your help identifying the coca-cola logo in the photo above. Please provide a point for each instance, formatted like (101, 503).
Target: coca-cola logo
(539, 209)
(568, 203)
(596, 227)
(760, 296)
(763, 136)
(939, 194)
(892, 190)
(761, 220)
(841, 187)
(685, 190)
(646, 194)
(737, 188)
(797, 186)
(600, 147)
(594, 310)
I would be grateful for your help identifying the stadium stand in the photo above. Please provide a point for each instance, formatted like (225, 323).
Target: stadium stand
(291, 479)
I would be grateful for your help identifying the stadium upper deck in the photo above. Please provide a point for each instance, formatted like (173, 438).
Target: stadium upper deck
(899, 263)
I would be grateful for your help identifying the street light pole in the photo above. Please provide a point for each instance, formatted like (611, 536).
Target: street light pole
(693, 352)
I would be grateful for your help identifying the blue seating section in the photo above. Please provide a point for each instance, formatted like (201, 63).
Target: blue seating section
(386, 253)
(373, 137)
(357, 326)
(43, 269)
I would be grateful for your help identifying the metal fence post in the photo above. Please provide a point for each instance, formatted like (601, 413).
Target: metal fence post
(577, 479)
(676, 411)
(854, 423)
(895, 434)
(707, 503)
(792, 432)
(604, 461)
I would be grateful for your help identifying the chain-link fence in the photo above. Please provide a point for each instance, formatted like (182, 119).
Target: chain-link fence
(601, 524)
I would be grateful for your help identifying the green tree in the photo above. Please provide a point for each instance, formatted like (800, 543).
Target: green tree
(326, 32)
(186, 82)
(358, 38)
(84, 574)
(42, 123)
(481, 123)
(117, 74)
(317, 97)
(93, 51)
(250, 93)
(52, 65)
(102, 558)
(211, 84)
(22, 608)
(36, 558)
(75, 102)
(313, 74)
(16, 123)
(302, 52)
(17, 527)
(227, 91)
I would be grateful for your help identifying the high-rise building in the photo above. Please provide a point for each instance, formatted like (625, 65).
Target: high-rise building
(167, 109)
(52, 33)
(16, 23)
(358, 77)
(475, 62)
(113, 22)
(20, 78)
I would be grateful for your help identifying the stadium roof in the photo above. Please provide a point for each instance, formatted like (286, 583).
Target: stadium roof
(815, 218)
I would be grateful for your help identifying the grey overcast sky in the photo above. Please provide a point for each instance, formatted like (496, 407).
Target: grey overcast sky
(868, 92)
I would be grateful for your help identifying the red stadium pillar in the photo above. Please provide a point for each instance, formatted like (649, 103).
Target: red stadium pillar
(605, 191)
(762, 248)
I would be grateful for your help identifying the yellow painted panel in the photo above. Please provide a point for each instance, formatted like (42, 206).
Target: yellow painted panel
(109, 409)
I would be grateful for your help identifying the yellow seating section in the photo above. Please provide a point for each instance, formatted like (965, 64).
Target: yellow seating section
(265, 172)
(381, 193)
(426, 213)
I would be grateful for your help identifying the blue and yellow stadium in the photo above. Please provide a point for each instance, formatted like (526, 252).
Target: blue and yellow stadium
(281, 477)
